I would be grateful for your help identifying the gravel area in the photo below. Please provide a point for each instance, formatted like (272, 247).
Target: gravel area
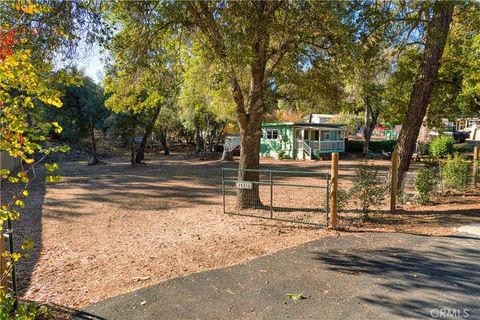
(109, 229)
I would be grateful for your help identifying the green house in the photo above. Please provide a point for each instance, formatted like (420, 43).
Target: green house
(301, 140)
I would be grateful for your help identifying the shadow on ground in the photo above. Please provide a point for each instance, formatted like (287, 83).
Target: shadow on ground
(368, 276)
(446, 275)
(28, 227)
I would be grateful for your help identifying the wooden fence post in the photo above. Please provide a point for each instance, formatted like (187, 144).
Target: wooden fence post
(333, 191)
(474, 166)
(393, 183)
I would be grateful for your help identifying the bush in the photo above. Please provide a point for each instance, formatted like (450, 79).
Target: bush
(374, 146)
(353, 146)
(424, 183)
(441, 146)
(462, 148)
(281, 154)
(342, 198)
(382, 145)
(456, 173)
(422, 149)
(403, 197)
(368, 190)
(24, 311)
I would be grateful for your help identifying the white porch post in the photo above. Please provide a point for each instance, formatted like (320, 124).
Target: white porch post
(320, 140)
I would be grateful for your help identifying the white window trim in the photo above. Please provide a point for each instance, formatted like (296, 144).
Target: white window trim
(271, 131)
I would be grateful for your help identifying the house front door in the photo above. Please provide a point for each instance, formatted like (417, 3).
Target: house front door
(298, 137)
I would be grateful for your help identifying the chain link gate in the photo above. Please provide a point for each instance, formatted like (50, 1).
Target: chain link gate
(282, 195)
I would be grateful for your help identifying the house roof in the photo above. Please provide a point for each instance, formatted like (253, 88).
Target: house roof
(320, 115)
(304, 125)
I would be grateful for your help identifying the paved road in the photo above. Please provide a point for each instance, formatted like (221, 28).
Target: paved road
(359, 276)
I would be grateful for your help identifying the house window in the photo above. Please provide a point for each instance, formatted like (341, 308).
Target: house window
(316, 135)
(325, 135)
(461, 124)
(299, 134)
(272, 134)
(305, 135)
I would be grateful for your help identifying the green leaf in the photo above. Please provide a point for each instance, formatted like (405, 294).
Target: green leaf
(20, 203)
(51, 167)
(52, 179)
(13, 179)
(27, 245)
(295, 296)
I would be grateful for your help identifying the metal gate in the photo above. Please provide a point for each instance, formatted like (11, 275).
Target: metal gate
(283, 195)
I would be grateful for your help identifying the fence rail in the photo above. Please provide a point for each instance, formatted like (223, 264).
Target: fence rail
(282, 195)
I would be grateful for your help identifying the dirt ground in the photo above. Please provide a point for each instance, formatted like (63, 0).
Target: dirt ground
(109, 229)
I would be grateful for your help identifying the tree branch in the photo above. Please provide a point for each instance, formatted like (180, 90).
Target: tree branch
(203, 18)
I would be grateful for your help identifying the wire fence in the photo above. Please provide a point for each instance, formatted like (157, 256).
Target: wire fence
(284, 195)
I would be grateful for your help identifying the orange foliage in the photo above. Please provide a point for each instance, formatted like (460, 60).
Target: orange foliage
(287, 116)
(7, 41)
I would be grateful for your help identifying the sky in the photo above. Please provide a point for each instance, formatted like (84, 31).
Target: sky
(90, 61)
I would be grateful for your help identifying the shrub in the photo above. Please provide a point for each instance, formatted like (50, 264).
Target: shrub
(342, 198)
(24, 311)
(424, 183)
(353, 146)
(441, 146)
(403, 197)
(368, 190)
(281, 154)
(382, 145)
(462, 148)
(456, 173)
(374, 146)
(422, 148)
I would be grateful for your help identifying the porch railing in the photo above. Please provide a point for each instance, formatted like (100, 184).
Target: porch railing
(332, 145)
(307, 149)
(325, 145)
(313, 144)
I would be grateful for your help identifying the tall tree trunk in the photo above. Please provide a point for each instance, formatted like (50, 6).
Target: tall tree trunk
(212, 136)
(423, 134)
(132, 142)
(94, 144)
(148, 131)
(249, 116)
(369, 126)
(367, 134)
(132, 151)
(163, 141)
(437, 33)
(198, 137)
(251, 134)
(250, 137)
(219, 135)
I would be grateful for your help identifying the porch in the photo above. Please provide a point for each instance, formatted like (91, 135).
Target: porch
(311, 142)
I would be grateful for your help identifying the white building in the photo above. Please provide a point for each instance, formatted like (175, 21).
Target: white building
(471, 125)
(318, 118)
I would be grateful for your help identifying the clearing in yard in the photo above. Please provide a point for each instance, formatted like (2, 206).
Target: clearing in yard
(109, 229)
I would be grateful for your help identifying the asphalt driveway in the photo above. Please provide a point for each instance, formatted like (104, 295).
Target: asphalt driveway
(358, 276)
